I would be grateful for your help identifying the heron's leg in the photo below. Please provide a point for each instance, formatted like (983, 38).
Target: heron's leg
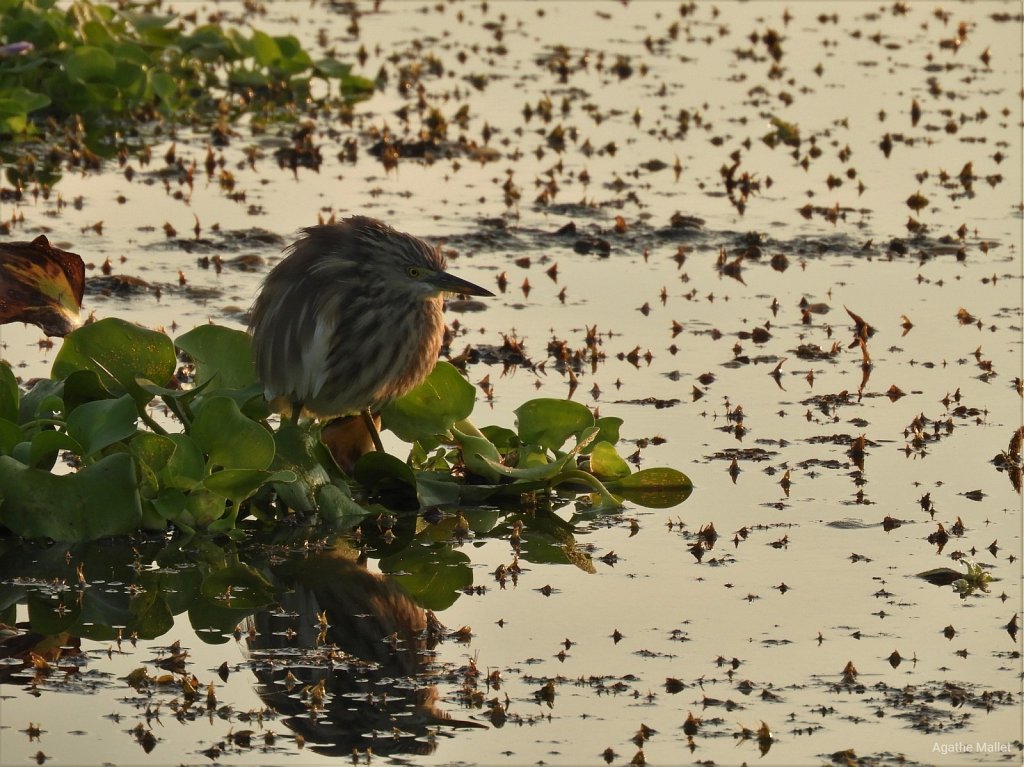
(296, 410)
(372, 428)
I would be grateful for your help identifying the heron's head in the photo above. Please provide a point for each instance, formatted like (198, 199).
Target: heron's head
(369, 256)
(409, 265)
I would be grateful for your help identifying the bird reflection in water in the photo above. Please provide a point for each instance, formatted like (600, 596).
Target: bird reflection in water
(353, 681)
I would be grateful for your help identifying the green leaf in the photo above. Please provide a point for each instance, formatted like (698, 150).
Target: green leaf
(437, 489)
(166, 88)
(550, 422)
(336, 505)
(606, 463)
(204, 508)
(98, 501)
(209, 44)
(432, 407)
(609, 426)
(96, 425)
(88, 63)
(222, 355)
(82, 386)
(384, 475)
(657, 488)
(298, 449)
(172, 504)
(502, 438)
(10, 394)
(43, 400)
(355, 87)
(45, 445)
(238, 484)
(10, 435)
(21, 101)
(540, 472)
(328, 68)
(479, 455)
(186, 466)
(229, 438)
(152, 450)
(118, 352)
(264, 49)
(131, 80)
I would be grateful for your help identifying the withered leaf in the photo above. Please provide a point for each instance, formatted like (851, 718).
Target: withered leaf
(41, 285)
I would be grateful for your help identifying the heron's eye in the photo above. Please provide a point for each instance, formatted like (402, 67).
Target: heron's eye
(415, 272)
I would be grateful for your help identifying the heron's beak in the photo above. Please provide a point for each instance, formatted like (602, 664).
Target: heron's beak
(449, 283)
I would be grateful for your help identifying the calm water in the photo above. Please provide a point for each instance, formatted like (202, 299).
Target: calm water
(615, 631)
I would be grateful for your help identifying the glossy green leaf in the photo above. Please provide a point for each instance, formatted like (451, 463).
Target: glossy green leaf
(88, 63)
(98, 501)
(209, 44)
(535, 472)
(383, 475)
(502, 438)
(223, 356)
(172, 504)
(15, 106)
(356, 87)
(531, 456)
(550, 422)
(96, 425)
(10, 435)
(298, 449)
(166, 88)
(264, 49)
(118, 352)
(44, 446)
(185, 467)
(238, 484)
(10, 394)
(204, 508)
(152, 450)
(437, 489)
(332, 68)
(83, 386)
(229, 438)
(479, 455)
(609, 426)
(432, 407)
(41, 401)
(606, 463)
(336, 506)
(658, 488)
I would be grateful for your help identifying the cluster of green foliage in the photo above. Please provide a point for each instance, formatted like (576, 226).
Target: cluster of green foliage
(89, 70)
(227, 460)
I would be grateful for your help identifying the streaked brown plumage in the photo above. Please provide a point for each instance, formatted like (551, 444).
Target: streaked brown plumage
(351, 318)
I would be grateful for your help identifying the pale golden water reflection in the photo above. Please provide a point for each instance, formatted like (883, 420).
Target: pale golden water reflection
(801, 581)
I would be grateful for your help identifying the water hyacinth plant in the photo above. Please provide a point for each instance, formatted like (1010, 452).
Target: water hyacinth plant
(81, 81)
(217, 458)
